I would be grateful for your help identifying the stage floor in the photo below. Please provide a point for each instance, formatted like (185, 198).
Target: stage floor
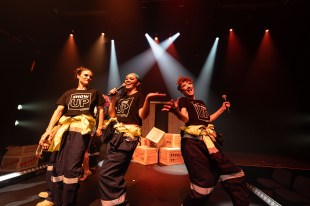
(154, 185)
(150, 185)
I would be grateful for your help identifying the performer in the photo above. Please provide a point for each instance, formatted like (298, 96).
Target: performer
(123, 133)
(75, 118)
(205, 161)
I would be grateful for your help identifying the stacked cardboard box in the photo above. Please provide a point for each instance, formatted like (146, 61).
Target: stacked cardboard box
(170, 156)
(172, 140)
(165, 145)
(19, 158)
(155, 136)
(171, 153)
(145, 155)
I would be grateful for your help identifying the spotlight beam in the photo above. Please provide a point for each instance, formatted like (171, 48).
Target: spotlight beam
(205, 76)
(169, 67)
(114, 77)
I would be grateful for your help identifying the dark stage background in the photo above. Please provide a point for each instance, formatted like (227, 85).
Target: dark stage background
(269, 114)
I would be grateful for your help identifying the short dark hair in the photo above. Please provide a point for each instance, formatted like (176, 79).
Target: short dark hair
(182, 79)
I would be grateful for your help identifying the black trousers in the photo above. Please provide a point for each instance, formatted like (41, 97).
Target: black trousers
(68, 168)
(206, 170)
(115, 165)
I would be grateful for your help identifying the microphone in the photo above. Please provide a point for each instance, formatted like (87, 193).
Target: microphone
(118, 88)
(224, 97)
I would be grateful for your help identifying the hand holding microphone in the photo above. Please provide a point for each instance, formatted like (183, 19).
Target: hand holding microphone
(117, 89)
(224, 97)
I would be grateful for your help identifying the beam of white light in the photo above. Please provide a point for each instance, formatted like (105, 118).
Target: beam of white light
(168, 66)
(36, 106)
(141, 64)
(165, 44)
(114, 77)
(96, 56)
(30, 124)
(204, 80)
(157, 50)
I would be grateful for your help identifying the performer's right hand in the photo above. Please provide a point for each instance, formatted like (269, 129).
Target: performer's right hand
(43, 140)
(113, 92)
(171, 106)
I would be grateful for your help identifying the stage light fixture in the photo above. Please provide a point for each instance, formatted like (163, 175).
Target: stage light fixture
(16, 122)
(267, 30)
(230, 30)
(102, 34)
(19, 107)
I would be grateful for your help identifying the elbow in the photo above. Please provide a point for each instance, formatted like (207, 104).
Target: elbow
(185, 120)
(143, 116)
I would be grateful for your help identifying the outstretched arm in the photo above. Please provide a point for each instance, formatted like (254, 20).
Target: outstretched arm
(222, 109)
(173, 107)
(145, 110)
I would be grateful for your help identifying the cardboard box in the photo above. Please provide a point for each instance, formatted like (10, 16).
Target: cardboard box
(144, 142)
(170, 156)
(21, 150)
(172, 140)
(145, 155)
(156, 137)
(19, 158)
(18, 163)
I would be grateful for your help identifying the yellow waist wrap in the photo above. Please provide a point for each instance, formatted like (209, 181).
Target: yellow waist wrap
(81, 123)
(130, 130)
(207, 132)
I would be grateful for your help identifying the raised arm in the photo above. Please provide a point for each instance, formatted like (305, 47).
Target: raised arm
(145, 110)
(173, 107)
(112, 111)
(222, 109)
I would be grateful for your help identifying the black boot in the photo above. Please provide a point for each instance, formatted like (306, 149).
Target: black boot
(195, 199)
(237, 190)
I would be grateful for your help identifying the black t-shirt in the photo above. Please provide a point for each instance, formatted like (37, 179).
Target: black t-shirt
(79, 102)
(197, 111)
(127, 108)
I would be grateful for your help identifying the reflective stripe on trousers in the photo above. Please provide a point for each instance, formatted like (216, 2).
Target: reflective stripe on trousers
(232, 176)
(201, 190)
(49, 168)
(117, 201)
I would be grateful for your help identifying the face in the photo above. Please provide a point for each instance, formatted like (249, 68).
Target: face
(85, 77)
(131, 82)
(187, 89)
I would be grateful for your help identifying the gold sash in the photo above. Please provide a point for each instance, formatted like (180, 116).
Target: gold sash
(81, 123)
(207, 132)
(130, 130)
